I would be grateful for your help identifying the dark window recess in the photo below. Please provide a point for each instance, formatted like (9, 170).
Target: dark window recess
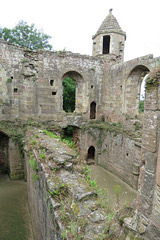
(11, 77)
(91, 86)
(51, 82)
(54, 93)
(15, 90)
(93, 110)
(106, 44)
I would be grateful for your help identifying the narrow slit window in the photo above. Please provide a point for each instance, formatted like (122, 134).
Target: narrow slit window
(51, 82)
(106, 44)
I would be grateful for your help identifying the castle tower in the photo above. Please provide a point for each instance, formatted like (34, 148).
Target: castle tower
(109, 39)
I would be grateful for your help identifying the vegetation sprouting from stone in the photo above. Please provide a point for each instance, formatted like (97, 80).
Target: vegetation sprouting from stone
(69, 141)
(152, 80)
(43, 147)
(116, 128)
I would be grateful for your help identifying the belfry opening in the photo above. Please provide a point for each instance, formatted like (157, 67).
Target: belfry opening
(106, 44)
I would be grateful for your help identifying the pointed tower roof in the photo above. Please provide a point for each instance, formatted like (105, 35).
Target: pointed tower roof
(109, 25)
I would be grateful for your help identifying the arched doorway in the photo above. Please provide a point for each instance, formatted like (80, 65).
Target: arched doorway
(93, 110)
(73, 92)
(91, 155)
(4, 162)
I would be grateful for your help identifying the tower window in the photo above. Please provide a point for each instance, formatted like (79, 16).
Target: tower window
(51, 82)
(106, 44)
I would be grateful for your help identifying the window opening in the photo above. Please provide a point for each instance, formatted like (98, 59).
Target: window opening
(69, 92)
(53, 93)
(106, 44)
(142, 94)
(93, 110)
(51, 82)
(15, 90)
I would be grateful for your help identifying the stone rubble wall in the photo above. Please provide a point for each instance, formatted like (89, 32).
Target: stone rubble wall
(49, 213)
(116, 152)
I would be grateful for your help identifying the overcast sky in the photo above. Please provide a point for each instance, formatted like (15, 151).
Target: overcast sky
(71, 23)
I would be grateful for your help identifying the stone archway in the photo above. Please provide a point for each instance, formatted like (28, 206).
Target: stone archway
(91, 155)
(93, 110)
(79, 91)
(133, 88)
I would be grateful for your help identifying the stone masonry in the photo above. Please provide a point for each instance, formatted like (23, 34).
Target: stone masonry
(31, 88)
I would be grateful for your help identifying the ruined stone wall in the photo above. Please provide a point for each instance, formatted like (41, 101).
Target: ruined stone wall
(4, 165)
(149, 186)
(121, 87)
(114, 151)
(76, 211)
(31, 83)
(11, 161)
(10, 79)
(16, 161)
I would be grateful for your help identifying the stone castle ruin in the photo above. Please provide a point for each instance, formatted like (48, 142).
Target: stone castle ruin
(107, 90)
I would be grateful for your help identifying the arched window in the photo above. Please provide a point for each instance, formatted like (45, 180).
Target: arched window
(93, 110)
(142, 94)
(69, 90)
(132, 90)
(73, 94)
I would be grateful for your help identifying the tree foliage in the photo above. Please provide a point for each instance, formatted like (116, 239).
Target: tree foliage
(69, 87)
(26, 36)
(141, 106)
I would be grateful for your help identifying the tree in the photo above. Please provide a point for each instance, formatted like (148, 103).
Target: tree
(69, 87)
(26, 36)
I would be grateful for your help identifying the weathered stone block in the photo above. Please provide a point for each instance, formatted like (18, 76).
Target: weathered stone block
(146, 205)
(149, 137)
(156, 209)
(158, 168)
(150, 160)
(148, 183)
(151, 100)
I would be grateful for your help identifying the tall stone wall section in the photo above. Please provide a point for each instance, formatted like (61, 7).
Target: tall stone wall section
(149, 184)
(116, 152)
(121, 87)
(11, 161)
